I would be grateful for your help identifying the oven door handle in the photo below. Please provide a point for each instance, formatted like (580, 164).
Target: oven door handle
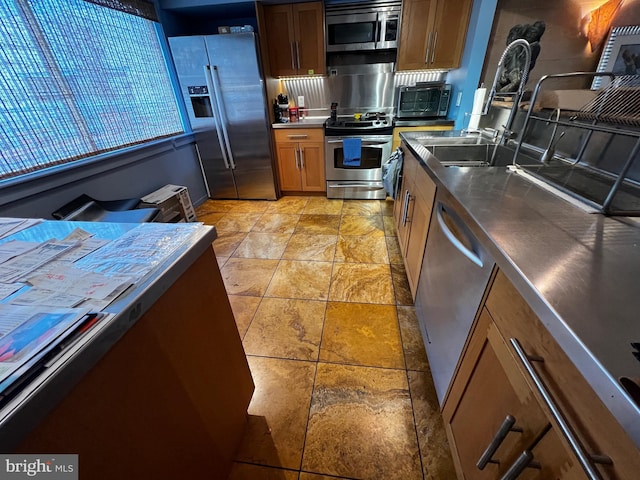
(364, 142)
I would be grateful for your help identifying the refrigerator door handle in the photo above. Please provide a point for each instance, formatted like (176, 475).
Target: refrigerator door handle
(223, 119)
(217, 120)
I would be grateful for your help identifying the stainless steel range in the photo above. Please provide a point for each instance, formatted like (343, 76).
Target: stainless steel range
(356, 148)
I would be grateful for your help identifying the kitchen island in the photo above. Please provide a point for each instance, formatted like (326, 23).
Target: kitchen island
(575, 271)
(161, 389)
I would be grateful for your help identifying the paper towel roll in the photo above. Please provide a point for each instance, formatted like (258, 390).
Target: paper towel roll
(476, 112)
(478, 101)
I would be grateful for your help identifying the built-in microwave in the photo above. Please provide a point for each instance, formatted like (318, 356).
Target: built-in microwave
(423, 100)
(372, 25)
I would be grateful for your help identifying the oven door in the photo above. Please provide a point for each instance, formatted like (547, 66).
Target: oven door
(363, 180)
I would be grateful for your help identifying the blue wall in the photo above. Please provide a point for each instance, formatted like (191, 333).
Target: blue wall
(466, 78)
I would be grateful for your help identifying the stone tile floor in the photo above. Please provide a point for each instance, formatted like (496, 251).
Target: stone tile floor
(321, 301)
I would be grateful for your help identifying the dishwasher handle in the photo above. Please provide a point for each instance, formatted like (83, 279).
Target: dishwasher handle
(440, 210)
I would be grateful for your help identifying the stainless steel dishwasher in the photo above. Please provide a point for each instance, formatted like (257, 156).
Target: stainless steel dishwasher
(455, 272)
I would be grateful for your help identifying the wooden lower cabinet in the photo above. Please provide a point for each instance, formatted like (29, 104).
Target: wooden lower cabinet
(300, 155)
(412, 213)
(492, 383)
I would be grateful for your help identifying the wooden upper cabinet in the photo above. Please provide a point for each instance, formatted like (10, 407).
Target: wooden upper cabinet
(433, 33)
(295, 38)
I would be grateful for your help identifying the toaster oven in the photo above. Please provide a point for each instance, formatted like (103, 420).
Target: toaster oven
(424, 100)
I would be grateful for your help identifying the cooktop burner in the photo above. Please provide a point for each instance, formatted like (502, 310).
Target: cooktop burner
(371, 122)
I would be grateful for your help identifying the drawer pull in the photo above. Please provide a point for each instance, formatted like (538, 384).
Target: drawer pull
(584, 459)
(508, 425)
(524, 461)
(299, 136)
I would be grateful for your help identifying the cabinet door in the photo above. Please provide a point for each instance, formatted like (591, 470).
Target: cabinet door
(450, 32)
(416, 33)
(309, 38)
(288, 166)
(424, 192)
(279, 28)
(312, 158)
(492, 389)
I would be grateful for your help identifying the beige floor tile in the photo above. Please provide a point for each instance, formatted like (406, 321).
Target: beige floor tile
(361, 207)
(276, 223)
(361, 283)
(393, 247)
(362, 249)
(434, 448)
(237, 222)
(278, 412)
(210, 218)
(323, 206)
(389, 226)
(386, 207)
(248, 276)
(262, 245)
(301, 279)
(293, 205)
(244, 308)
(221, 261)
(362, 225)
(226, 243)
(318, 224)
(213, 206)
(362, 334)
(286, 328)
(303, 246)
(401, 284)
(361, 425)
(250, 206)
(247, 471)
(315, 476)
(415, 355)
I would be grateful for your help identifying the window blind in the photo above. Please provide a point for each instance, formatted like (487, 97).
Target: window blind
(78, 79)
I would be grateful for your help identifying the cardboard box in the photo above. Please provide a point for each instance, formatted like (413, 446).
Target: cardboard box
(174, 204)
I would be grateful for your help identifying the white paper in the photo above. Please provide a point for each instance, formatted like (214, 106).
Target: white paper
(22, 265)
(9, 226)
(7, 289)
(13, 248)
(74, 281)
(49, 298)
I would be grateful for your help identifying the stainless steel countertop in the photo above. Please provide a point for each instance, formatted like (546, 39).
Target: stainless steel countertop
(20, 415)
(578, 271)
(307, 122)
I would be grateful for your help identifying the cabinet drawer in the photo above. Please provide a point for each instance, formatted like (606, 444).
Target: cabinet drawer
(299, 135)
(594, 426)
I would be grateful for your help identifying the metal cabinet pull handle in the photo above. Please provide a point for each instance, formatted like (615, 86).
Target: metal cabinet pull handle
(295, 152)
(508, 425)
(301, 158)
(405, 207)
(522, 462)
(426, 57)
(454, 240)
(433, 49)
(300, 136)
(293, 65)
(584, 458)
(298, 54)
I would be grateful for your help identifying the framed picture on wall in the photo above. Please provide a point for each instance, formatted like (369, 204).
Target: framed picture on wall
(621, 55)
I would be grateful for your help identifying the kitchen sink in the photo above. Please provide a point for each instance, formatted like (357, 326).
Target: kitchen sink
(476, 155)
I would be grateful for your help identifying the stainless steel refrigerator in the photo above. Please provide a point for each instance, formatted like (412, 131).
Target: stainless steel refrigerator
(224, 93)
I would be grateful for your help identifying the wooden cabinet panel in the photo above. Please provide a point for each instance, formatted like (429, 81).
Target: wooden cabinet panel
(412, 214)
(300, 154)
(288, 166)
(433, 33)
(280, 37)
(313, 177)
(415, 32)
(597, 430)
(295, 38)
(309, 33)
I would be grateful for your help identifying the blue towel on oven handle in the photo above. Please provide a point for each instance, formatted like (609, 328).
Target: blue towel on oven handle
(352, 152)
